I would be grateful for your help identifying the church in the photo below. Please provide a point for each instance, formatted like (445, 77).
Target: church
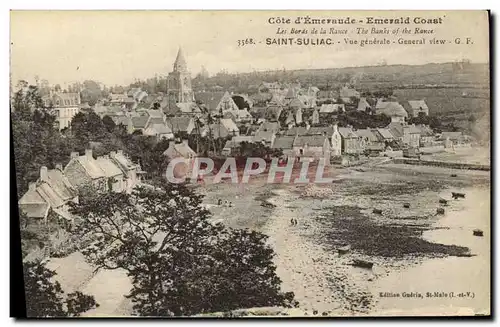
(179, 90)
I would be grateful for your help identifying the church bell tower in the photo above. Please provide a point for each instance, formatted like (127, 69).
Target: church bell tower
(179, 81)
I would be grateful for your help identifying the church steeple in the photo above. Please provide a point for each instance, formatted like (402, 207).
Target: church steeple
(179, 88)
(180, 64)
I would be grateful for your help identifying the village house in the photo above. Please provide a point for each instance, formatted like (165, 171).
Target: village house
(84, 171)
(273, 87)
(270, 126)
(407, 134)
(285, 143)
(332, 108)
(160, 131)
(114, 176)
(351, 142)
(132, 172)
(313, 146)
(264, 137)
(181, 124)
(347, 93)
(411, 135)
(138, 123)
(369, 140)
(230, 125)
(65, 107)
(332, 133)
(364, 105)
(391, 109)
(234, 143)
(450, 139)
(181, 150)
(427, 137)
(384, 135)
(417, 108)
(51, 191)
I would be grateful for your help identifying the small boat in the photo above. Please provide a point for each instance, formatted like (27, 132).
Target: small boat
(443, 201)
(377, 211)
(457, 195)
(440, 211)
(453, 175)
(362, 264)
(344, 249)
(477, 232)
(406, 205)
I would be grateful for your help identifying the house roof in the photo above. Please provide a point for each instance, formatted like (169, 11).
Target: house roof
(450, 135)
(179, 150)
(66, 99)
(124, 163)
(296, 103)
(347, 92)
(32, 196)
(328, 130)
(368, 134)
(160, 129)
(412, 129)
(91, 167)
(35, 210)
(209, 99)
(363, 104)
(417, 104)
(296, 131)
(109, 168)
(332, 107)
(270, 126)
(140, 121)
(121, 120)
(266, 136)
(283, 142)
(347, 132)
(188, 107)
(238, 114)
(48, 193)
(217, 130)
(155, 113)
(180, 123)
(425, 130)
(385, 133)
(61, 184)
(392, 109)
(396, 129)
(229, 124)
(309, 140)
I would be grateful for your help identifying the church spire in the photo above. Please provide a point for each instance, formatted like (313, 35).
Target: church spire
(180, 63)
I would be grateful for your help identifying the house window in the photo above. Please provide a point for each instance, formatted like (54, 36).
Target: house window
(301, 151)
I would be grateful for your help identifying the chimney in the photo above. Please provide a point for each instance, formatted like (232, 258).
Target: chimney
(335, 128)
(119, 152)
(74, 155)
(171, 143)
(44, 174)
(32, 186)
(185, 142)
(88, 154)
(59, 167)
(112, 154)
(308, 126)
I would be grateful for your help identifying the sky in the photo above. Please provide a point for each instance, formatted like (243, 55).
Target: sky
(117, 47)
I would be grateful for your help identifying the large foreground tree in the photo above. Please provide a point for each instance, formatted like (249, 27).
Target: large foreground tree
(45, 297)
(179, 262)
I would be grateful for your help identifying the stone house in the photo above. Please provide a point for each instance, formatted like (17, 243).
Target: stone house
(314, 146)
(116, 182)
(417, 107)
(285, 143)
(351, 142)
(132, 172)
(65, 107)
(84, 171)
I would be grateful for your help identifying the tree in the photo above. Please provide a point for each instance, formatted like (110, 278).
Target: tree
(91, 92)
(180, 263)
(108, 123)
(45, 298)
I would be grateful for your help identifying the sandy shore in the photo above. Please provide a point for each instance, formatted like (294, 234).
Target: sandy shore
(324, 281)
